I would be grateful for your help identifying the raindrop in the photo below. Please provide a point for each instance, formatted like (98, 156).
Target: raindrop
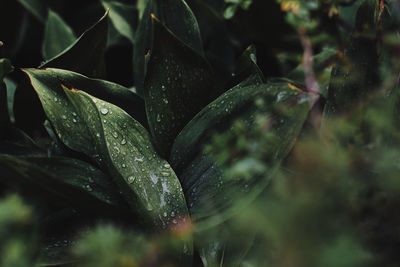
(173, 214)
(163, 88)
(166, 174)
(104, 111)
(55, 99)
(88, 188)
(123, 142)
(74, 120)
(131, 179)
(74, 114)
(116, 149)
(165, 100)
(115, 134)
(98, 134)
(174, 221)
(64, 117)
(165, 214)
(158, 118)
(123, 166)
(138, 159)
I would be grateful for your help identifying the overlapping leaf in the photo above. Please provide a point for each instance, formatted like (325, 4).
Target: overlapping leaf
(177, 17)
(120, 145)
(208, 193)
(66, 181)
(178, 84)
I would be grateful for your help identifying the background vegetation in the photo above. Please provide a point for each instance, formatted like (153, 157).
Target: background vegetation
(199, 133)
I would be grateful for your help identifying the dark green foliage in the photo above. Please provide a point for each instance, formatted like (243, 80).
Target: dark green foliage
(204, 157)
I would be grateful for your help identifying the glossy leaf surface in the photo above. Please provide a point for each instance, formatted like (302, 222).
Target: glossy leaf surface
(178, 84)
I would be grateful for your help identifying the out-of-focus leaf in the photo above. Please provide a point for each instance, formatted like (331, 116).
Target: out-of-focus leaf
(57, 37)
(120, 145)
(36, 7)
(177, 85)
(85, 55)
(208, 193)
(356, 74)
(123, 17)
(63, 180)
(178, 18)
(5, 68)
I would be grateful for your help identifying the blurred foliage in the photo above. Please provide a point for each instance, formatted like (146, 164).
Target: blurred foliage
(199, 133)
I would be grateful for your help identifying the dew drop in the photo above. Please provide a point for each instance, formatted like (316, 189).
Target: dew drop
(64, 117)
(74, 114)
(163, 88)
(158, 118)
(166, 174)
(74, 120)
(123, 166)
(55, 99)
(123, 142)
(131, 179)
(115, 134)
(165, 100)
(88, 188)
(165, 214)
(104, 111)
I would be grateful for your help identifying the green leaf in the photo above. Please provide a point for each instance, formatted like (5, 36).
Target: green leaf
(177, 17)
(123, 17)
(5, 68)
(109, 91)
(85, 55)
(211, 196)
(178, 85)
(246, 66)
(36, 7)
(57, 36)
(64, 180)
(120, 145)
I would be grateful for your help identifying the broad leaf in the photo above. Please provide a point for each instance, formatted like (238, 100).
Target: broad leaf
(57, 36)
(109, 91)
(207, 186)
(66, 181)
(123, 17)
(177, 17)
(121, 146)
(85, 55)
(177, 85)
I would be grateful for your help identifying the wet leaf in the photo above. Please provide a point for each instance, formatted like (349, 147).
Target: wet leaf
(121, 146)
(178, 18)
(123, 17)
(85, 55)
(109, 91)
(57, 37)
(211, 197)
(64, 180)
(177, 85)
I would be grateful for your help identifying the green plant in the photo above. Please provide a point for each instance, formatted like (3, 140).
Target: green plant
(199, 156)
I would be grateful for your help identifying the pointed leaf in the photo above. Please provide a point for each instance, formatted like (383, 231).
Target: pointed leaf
(64, 180)
(57, 36)
(177, 17)
(85, 55)
(211, 197)
(121, 146)
(178, 84)
(123, 17)
(109, 91)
